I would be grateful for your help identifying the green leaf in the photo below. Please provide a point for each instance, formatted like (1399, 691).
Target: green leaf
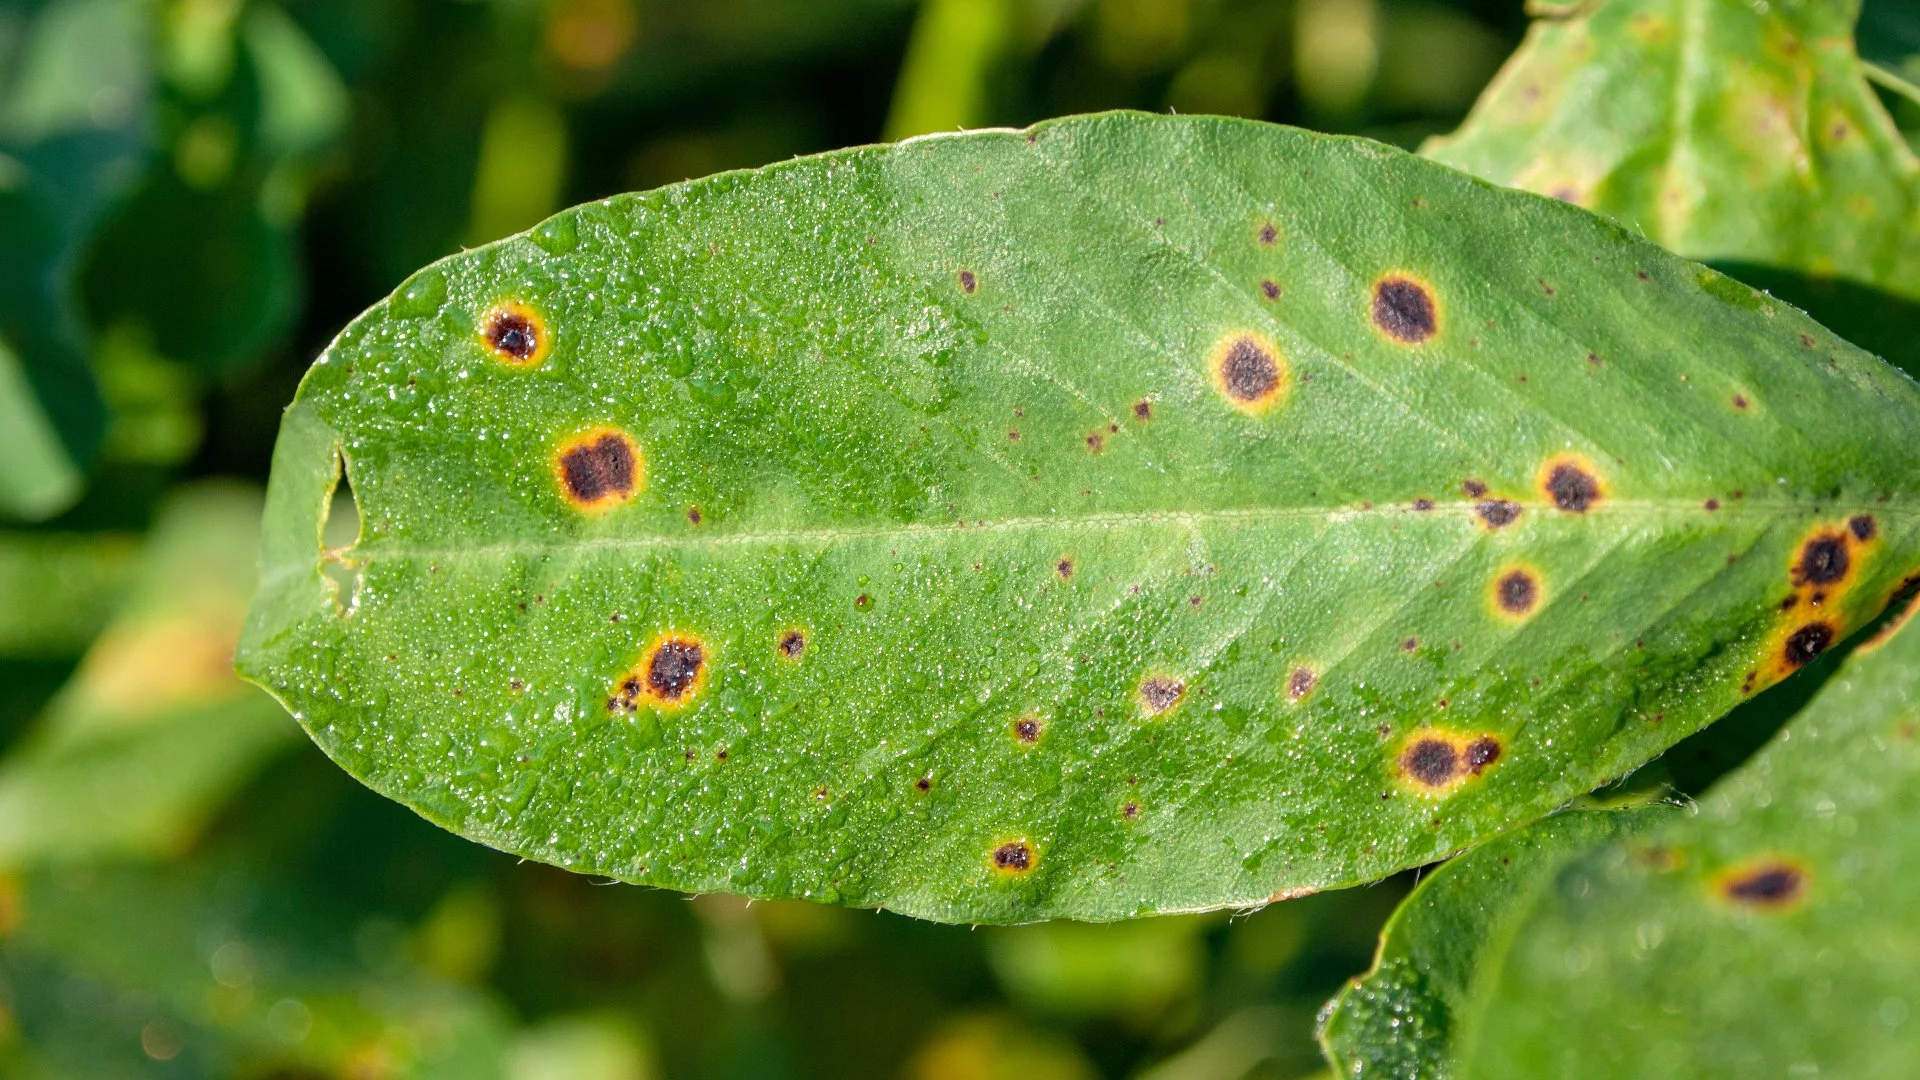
(39, 477)
(1767, 932)
(154, 731)
(1745, 135)
(878, 528)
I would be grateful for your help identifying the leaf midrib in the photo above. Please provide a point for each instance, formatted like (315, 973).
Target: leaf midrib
(1193, 519)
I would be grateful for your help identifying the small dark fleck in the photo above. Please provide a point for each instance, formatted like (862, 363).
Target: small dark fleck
(1862, 526)
(1013, 435)
(1573, 489)
(720, 755)
(1740, 401)
(863, 602)
(1643, 275)
(1712, 504)
(792, 644)
(1769, 885)
(1807, 643)
(1410, 644)
(1027, 730)
(1423, 505)
(1404, 310)
(1823, 561)
(693, 515)
(923, 784)
(1473, 489)
(1013, 856)
(1270, 289)
(1064, 568)
(968, 283)
(1593, 358)
(1269, 233)
(1498, 512)
(1143, 409)
(1301, 682)
(1130, 811)
(1096, 442)
(1430, 762)
(516, 685)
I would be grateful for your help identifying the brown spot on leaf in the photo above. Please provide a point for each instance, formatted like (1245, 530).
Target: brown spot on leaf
(515, 334)
(1430, 762)
(1249, 372)
(1158, 694)
(1014, 857)
(1497, 513)
(1064, 568)
(1410, 644)
(1516, 593)
(1481, 753)
(1270, 289)
(1301, 683)
(1404, 309)
(1767, 885)
(1269, 232)
(1096, 442)
(1740, 402)
(968, 283)
(1863, 527)
(1711, 504)
(1572, 483)
(693, 515)
(1143, 410)
(792, 644)
(1423, 505)
(1028, 729)
(670, 674)
(1807, 643)
(1130, 811)
(598, 469)
(1472, 489)
(923, 785)
(1823, 560)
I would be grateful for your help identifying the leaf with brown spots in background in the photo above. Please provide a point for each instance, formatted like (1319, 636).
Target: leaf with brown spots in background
(1212, 491)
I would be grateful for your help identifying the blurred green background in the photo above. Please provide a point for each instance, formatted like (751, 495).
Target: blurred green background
(194, 196)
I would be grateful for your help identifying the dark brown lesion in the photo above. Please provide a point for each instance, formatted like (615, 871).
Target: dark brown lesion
(1497, 513)
(1769, 885)
(1027, 730)
(1806, 644)
(1572, 487)
(1430, 762)
(1863, 527)
(1301, 683)
(1064, 568)
(674, 668)
(1269, 232)
(968, 283)
(1143, 410)
(599, 468)
(1159, 694)
(1517, 592)
(792, 644)
(515, 333)
(1405, 309)
(1014, 857)
(1824, 560)
(1249, 371)
(1481, 753)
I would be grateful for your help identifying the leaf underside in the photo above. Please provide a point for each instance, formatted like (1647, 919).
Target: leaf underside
(1652, 943)
(1133, 514)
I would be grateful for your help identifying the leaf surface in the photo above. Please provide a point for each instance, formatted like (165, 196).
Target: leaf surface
(1768, 932)
(1133, 514)
(1744, 135)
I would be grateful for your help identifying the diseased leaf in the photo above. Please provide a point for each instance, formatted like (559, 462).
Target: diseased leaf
(154, 731)
(1133, 514)
(1767, 933)
(1745, 135)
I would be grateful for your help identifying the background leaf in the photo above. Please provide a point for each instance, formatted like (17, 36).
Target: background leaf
(1757, 933)
(1004, 607)
(1744, 136)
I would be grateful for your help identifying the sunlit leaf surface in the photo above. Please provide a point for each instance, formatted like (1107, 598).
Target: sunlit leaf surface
(1132, 514)
(1768, 932)
(1745, 135)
